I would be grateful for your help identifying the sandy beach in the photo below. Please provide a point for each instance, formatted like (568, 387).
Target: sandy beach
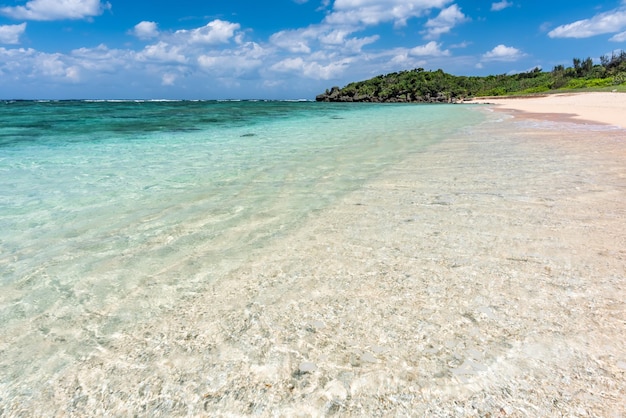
(607, 108)
(482, 277)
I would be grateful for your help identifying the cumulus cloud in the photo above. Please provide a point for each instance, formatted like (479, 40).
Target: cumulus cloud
(146, 30)
(373, 12)
(311, 68)
(10, 34)
(335, 36)
(432, 49)
(303, 41)
(102, 59)
(295, 41)
(608, 22)
(25, 64)
(215, 32)
(444, 22)
(503, 53)
(15, 63)
(340, 38)
(54, 66)
(162, 52)
(56, 9)
(501, 5)
(173, 58)
(238, 62)
(403, 60)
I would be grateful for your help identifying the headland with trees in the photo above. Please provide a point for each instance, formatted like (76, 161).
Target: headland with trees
(419, 85)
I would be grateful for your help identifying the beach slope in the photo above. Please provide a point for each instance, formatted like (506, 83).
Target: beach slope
(607, 108)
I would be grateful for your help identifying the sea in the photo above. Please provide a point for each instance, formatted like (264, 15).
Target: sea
(112, 211)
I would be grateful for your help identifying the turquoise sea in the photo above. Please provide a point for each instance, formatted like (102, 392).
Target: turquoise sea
(112, 211)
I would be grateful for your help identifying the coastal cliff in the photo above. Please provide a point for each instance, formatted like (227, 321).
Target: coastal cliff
(340, 95)
(415, 86)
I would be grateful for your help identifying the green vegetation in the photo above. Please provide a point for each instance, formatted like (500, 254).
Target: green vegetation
(419, 85)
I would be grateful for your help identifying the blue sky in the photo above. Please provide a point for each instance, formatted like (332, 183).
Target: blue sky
(282, 49)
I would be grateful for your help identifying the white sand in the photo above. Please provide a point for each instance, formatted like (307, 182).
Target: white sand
(609, 108)
(484, 277)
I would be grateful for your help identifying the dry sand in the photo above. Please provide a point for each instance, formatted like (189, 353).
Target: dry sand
(608, 108)
(484, 277)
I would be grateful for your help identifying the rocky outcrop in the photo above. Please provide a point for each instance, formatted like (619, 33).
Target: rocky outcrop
(336, 94)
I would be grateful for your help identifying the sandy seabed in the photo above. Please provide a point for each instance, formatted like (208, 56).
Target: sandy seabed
(482, 277)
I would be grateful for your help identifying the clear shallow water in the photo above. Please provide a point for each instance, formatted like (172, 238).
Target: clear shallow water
(113, 211)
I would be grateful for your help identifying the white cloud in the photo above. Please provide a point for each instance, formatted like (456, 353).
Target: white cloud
(402, 60)
(30, 64)
(335, 36)
(146, 30)
(501, 5)
(289, 65)
(373, 12)
(444, 22)
(356, 44)
(56, 9)
(227, 64)
(608, 22)
(243, 60)
(295, 41)
(162, 52)
(619, 37)
(432, 49)
(101, 59)
(15, 63)
(311, 69)
(303, 41)
(503, 53)
(168, 79)
(215, 32)
(10, 34)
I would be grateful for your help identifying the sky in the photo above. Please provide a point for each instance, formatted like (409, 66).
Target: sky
(283, 49)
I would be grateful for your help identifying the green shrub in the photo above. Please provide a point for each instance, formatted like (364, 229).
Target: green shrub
(581, 83)
(538, 89)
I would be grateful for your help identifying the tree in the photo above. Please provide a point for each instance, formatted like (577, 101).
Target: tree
(605, 60)
(586, 67)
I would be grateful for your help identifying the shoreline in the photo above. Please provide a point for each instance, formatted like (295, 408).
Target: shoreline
(587, 108)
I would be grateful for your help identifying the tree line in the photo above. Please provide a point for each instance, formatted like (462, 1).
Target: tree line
(419, 85)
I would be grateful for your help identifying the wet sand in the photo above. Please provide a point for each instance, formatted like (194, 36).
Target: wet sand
(484, 276)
